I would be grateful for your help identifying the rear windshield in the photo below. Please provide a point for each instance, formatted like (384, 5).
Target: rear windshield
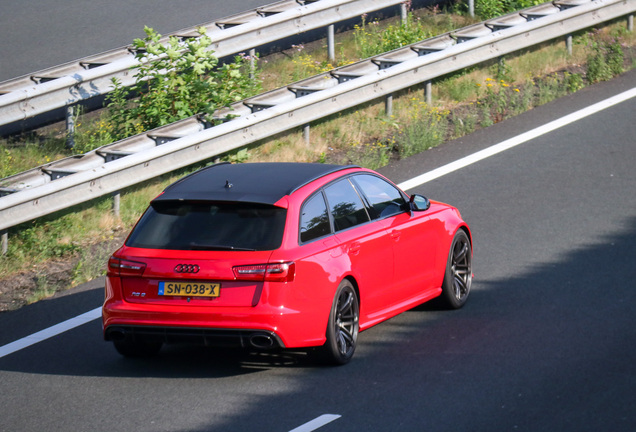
(186, 225)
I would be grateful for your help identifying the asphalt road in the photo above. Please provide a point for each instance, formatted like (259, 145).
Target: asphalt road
(547, 341)
(36, 35)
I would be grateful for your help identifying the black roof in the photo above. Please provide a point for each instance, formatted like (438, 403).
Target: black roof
(264, 183)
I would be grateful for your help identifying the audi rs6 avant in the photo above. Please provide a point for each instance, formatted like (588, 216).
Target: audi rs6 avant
(281, 255)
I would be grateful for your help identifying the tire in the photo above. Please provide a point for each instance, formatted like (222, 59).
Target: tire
(343, 326)
(459, 272)
(138, 347)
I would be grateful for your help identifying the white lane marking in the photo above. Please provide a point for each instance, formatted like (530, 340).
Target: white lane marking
(515, 141)
(316, 423)
(409, 184)
(50, 332)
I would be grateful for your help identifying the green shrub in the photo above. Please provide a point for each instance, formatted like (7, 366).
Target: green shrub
(574, 82)
(176, 79)
(370, 39)
(605, 60)
(487, 9)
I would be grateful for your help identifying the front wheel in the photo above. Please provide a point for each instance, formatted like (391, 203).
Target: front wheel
(343, 326)
(459, 272)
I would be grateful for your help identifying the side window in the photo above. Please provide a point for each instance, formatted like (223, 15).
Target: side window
(385, 200)
(314, 220)
(345, 205)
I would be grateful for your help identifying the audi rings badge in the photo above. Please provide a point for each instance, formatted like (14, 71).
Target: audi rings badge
(186, 268)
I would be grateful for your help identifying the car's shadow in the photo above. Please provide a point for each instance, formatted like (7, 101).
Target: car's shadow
(191, 361)
(82, 352)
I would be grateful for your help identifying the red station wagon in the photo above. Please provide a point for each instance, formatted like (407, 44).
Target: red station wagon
(281, 255)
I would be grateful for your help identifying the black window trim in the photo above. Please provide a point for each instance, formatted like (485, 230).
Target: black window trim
(361, 195)
(366, 200)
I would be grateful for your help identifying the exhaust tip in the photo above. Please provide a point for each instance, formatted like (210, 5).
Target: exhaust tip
(115, 335)
(262, 341)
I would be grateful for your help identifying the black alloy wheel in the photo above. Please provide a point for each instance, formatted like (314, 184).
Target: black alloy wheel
(343, 326)
(459, 272)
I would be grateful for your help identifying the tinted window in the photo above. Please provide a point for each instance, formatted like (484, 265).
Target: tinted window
(314, 220)
(384, 199)
(345, 205)
(186, 225)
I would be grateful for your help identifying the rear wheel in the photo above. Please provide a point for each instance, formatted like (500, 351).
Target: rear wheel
(343, 326)
(459, 272)
(138, 347)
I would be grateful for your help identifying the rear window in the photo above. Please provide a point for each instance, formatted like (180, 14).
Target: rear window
(184, 225)
(314, 220)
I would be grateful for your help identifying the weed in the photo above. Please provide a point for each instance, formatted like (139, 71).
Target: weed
(42, 289)
(372, 39)
(426, 130)
(605, 59)
(502, 70)
(574, 82)
(373, 155)
(176, 80)
(239, 156)
(486, 9)
(457, 89)
(550, 88)
(91, 263)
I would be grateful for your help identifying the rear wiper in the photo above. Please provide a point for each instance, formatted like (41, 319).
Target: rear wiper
(195, 246)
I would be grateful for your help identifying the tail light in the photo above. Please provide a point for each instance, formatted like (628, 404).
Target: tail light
(277, 272)
(120, 267)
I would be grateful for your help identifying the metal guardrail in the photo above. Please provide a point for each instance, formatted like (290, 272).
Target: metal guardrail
(64, 85)
(191, 140)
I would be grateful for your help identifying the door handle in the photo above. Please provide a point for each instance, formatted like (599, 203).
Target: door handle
(354, 248)
(395, 235)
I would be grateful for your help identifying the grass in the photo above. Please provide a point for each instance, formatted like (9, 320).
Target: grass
(462, 102)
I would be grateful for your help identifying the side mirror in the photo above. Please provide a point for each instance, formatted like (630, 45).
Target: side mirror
(419, 203)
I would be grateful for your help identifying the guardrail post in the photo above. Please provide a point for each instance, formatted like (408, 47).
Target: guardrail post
(306, 130)
(471, 8)
(428, 92)
(630, 22)
(4, 240)
(252, 63)
(70, 126)
(116, 203)
(330, 43)
(568, 44)
(403, 12)
(388, 105)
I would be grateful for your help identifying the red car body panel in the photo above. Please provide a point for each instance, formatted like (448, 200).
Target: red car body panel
(395, 263)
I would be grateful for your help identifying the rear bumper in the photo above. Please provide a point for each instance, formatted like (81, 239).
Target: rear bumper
(234, 338)
(261, 326)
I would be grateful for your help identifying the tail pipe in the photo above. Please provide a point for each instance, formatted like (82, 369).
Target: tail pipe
(262, 341)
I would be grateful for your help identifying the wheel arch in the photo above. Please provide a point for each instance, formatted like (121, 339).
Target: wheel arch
(465, 228)
(354, 282)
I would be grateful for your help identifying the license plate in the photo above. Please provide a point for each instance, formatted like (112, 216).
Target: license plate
(189, 289)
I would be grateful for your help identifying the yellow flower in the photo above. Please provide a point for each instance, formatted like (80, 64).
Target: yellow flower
(517, 90)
